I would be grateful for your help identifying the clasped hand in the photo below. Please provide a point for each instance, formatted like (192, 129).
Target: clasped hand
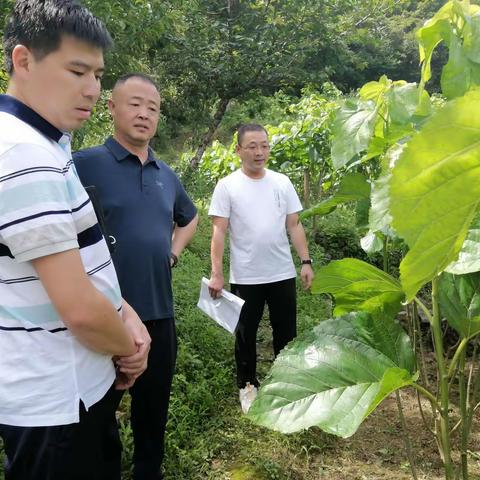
(131, 367)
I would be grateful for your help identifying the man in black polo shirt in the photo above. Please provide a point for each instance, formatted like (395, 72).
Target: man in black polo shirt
(152, 219)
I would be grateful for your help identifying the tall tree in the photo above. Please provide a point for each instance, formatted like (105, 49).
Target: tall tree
(227, 49)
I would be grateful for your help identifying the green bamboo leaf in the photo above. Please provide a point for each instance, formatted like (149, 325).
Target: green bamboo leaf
(352, 130)
(435, 190)
(358, 286)
(335, 375)
(469, 258)
(459, 298)
(353, 186)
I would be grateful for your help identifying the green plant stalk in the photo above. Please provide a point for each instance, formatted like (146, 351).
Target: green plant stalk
(421, 363)
(406, 438)
(463, 412)
(443, 384)
(458, 354)
(424, 309)
(420, 357)
(429, 395)
(386, 266)
(472, 394)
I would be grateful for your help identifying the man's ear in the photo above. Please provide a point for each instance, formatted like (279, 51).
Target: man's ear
(111, 106)
(22, 59)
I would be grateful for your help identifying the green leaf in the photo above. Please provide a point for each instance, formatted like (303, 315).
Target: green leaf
(430, 35)
(353, 186)
(358, 286)
(469, 258)
(403, 102)
(361, 214)
(371, 242)
(335, 375)
(375, 90)
(455, 78)
(380, 217)
(375, 148)
(425, 105)
(435, 190)
(471, 43)
(352, 130)
(459, 298)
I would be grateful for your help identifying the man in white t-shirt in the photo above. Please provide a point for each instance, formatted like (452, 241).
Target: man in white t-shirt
(258, 207)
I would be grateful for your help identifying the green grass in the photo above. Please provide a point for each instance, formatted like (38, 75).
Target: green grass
(208, 438)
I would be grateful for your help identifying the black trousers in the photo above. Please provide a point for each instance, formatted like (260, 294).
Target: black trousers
(282, 306)
(150, 398)
(89, 449)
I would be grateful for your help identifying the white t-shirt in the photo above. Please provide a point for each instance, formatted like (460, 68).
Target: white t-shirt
(257, 211)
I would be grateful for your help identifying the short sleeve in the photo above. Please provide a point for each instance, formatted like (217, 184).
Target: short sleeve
(184, 210)
(293, 202)
(35, 203)
(220, 203)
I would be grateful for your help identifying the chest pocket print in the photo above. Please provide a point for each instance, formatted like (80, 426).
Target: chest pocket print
(280, 204)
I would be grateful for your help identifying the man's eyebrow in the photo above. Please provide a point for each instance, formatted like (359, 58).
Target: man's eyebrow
(87, 66)
(139, 97)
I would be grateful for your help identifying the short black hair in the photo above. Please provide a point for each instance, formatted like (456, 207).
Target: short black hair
(40, 24)
(141, 76)
(249, 127)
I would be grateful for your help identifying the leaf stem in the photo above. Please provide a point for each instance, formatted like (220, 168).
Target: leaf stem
(424, 309)
(429, 395)
(458, 352)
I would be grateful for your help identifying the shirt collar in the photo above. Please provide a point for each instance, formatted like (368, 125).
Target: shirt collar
(121, 153)
(11, 105)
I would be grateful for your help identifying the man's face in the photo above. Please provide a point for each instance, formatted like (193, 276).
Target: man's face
(254, 151)
(64, 86)
(135, 109)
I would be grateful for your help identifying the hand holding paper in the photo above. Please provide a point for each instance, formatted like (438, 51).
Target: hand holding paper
(225, 310)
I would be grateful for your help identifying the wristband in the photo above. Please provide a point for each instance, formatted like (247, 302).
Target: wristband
(307, 261)
(175, 259)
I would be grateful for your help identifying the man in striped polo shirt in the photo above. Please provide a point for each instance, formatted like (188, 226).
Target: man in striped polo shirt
(62, 318)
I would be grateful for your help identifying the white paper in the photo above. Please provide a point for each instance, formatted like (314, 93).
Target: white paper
(225, 310)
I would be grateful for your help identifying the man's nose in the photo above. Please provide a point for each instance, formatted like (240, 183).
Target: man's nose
(143, 113)
(92, 87)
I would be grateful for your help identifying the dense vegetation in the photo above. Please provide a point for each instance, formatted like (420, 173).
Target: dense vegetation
(351, 117)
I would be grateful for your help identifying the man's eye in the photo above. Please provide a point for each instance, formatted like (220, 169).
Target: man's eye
(78, 73)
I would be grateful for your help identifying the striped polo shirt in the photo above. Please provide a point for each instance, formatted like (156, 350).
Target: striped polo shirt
(44, 371)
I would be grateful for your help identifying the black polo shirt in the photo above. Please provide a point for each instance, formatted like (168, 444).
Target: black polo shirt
(141, 204)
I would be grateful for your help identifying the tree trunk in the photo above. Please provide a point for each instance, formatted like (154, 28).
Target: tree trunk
(207, 139)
